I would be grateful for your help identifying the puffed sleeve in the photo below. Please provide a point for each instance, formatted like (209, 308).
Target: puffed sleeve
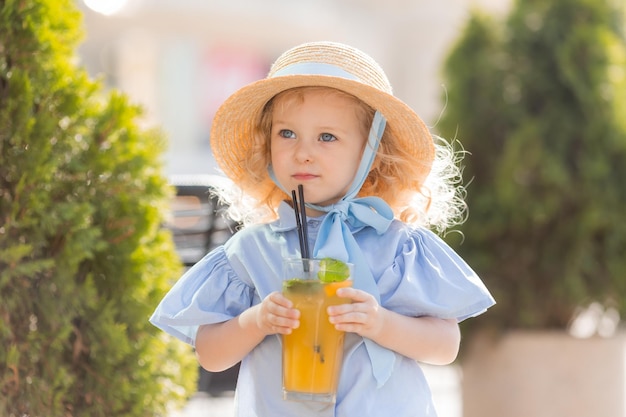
(209, 292)
(428, 277)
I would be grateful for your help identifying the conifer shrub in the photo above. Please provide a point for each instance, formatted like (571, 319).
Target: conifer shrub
(83, 257)
(539, 103)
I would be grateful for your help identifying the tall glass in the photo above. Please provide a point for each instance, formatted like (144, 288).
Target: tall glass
(312, 353)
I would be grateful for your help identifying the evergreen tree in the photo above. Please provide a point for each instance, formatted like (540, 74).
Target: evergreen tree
(539, 103)
(83, 257)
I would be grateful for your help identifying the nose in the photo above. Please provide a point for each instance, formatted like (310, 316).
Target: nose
(303, 151)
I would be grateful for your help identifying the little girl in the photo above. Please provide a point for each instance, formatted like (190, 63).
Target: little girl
(375, 182)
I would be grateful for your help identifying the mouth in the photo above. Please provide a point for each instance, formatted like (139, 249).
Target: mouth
(303, 176)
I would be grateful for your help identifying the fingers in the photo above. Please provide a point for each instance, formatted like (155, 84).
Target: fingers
(358, 296)
(351, 314)
(277, 315)
(359, 301)
(280, 299)
(361, 316)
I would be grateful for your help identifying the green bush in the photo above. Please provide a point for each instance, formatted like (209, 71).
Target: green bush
(539, 101)
(83, 257)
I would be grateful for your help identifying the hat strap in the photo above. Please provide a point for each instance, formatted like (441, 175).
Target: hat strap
(335, 239)
(369, 154)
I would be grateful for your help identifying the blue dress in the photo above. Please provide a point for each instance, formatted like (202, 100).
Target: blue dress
(417, 274)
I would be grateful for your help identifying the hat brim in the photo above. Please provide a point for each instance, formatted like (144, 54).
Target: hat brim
(234, 122)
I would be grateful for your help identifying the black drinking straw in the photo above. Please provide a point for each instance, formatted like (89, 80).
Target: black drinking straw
(303, 235)
(305, 229)
(294, 200)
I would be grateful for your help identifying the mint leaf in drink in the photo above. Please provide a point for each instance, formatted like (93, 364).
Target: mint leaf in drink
(333, 270)
(301, 286)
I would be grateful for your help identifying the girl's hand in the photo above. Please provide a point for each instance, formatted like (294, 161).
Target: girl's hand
(425, 339)
(364, 316)
(276, 314)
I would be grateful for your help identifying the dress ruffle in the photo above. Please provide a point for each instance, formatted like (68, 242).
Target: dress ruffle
(428, 278)
(209, 292)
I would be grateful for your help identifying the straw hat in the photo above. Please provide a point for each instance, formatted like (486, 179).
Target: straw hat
(326, 64)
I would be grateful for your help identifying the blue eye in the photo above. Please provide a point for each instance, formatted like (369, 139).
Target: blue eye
(286, 133)
(327, 137)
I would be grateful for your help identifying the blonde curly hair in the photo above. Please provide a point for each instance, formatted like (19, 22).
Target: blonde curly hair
(436, 202)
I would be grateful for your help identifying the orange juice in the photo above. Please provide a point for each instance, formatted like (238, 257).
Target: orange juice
(312, 353)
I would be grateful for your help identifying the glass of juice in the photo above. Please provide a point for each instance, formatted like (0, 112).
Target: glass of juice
(313, 353)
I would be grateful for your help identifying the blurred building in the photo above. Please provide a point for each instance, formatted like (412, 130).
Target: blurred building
(180, 59)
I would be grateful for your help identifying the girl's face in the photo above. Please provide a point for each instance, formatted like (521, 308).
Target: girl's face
(317, 139)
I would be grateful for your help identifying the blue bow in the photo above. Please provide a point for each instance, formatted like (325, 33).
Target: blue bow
(335, 240)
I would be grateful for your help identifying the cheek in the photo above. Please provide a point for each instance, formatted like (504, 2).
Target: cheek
(278, 159)
(274, 153)
(354, 158)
